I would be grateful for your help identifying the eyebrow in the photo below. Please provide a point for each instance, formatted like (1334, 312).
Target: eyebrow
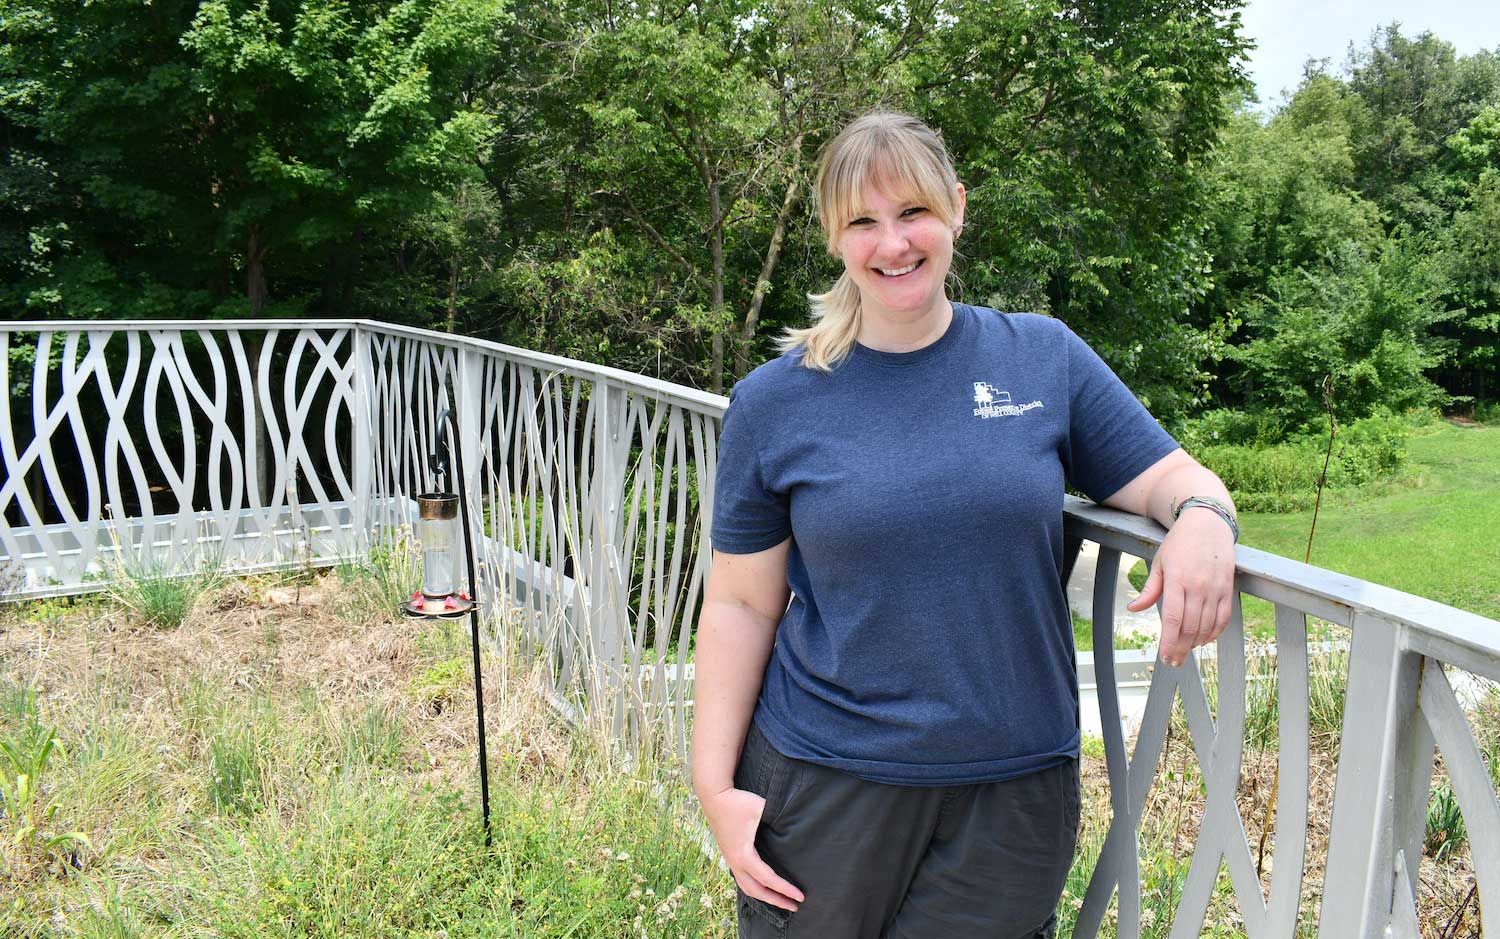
(911, 203)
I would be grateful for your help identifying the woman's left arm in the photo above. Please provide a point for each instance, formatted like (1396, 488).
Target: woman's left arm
(1193, 571)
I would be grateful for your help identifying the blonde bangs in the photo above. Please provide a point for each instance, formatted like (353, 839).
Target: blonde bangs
(896, 154)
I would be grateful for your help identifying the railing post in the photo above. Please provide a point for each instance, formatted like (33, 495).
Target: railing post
(362, 411)
(606, 584)
(468, 400)
(1380, 694)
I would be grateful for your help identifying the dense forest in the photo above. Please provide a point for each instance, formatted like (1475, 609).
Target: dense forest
(629, 183)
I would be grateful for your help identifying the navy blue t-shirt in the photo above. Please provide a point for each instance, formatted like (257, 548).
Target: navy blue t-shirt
(928, 640)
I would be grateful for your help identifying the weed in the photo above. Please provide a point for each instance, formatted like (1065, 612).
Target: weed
(28, 842)
(435, 687)
(1445, 823)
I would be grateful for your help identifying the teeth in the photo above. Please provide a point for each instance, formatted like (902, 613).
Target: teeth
(898, 271)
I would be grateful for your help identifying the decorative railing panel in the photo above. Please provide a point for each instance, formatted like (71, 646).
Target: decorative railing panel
(302, 442)
(187, 444)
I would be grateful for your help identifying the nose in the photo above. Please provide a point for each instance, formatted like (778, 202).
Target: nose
(893, 242)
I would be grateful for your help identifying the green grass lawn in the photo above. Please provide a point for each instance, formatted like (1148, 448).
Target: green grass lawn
(1434, 535)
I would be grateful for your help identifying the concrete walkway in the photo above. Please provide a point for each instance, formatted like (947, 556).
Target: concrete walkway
(1132, 668)
(1081, 594)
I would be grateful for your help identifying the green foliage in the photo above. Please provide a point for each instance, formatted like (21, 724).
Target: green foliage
(159, 159)
(605, 182)
(1366, 321)
(1081, 132)
(1269, 470)
(436, 685)
(1445, 832)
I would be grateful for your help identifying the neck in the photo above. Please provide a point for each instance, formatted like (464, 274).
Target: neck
(886, 332)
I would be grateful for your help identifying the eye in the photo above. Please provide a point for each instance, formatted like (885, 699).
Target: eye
(914, 211)
(862, 220)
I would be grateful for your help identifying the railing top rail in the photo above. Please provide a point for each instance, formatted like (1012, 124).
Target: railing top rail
(1349, 595)
(702, 401)
(124, 325)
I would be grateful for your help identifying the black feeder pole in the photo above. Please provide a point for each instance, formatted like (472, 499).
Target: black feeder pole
(438, 598)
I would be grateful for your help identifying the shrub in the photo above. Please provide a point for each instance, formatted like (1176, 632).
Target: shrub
(1267, 474)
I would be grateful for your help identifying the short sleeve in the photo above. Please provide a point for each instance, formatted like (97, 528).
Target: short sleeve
(1112, 438)
(747, 516)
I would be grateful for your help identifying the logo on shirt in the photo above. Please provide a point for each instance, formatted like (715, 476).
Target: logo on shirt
(992, 402)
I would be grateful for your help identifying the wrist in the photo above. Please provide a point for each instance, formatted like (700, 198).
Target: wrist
(1224, 510)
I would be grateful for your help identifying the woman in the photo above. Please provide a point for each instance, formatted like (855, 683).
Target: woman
(895, 753)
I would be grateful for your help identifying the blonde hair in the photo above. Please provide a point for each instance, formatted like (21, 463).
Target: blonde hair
(904, 158)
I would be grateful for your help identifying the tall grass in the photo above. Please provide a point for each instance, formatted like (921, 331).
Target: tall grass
(158, 592)
(376, 586)
(281, 799)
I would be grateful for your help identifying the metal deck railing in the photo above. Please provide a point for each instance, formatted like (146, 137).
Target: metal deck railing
(263, 444)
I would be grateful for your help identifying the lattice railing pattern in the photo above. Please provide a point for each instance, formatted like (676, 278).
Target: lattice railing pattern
(1400, 709)
(300, 442)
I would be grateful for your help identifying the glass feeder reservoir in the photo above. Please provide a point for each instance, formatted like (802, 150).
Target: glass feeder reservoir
(437, 530)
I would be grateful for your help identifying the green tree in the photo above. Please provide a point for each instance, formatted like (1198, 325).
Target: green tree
(1473, 254)
(1083, 131)
(186, 147)
(1416, 93)
(1366, 321)
(684, 139)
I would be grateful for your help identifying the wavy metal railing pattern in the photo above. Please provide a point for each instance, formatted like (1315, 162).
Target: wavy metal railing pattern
(591, 488)
(587, 480)
(192, 444)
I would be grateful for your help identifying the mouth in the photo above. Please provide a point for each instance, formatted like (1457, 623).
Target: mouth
(895, 273)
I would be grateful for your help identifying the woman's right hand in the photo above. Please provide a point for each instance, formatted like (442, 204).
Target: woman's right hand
(734, 817)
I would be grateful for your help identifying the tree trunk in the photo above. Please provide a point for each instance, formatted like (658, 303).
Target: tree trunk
(763, 283)
(716, 299)
(448, 323)
(255, 272)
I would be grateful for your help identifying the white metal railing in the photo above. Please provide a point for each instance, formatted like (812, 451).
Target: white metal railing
(298, 442)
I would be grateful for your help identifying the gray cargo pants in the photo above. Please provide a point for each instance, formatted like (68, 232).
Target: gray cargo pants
(897, 862)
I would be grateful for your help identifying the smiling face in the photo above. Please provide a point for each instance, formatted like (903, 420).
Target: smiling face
(897, 249)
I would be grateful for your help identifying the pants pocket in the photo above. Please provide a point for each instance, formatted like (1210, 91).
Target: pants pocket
(760, 920)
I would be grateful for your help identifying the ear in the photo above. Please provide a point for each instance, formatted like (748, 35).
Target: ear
(958, 222)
